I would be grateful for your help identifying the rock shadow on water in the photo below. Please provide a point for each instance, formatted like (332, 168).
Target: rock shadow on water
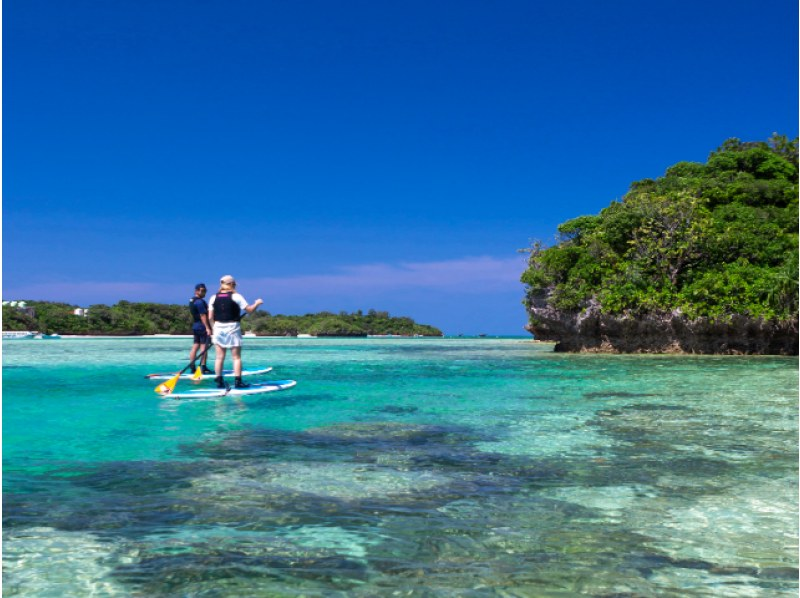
(397, 433)
(373, 456)
(380, 470)
(397, 410)
(553, 544)
(452, 516)
(333, 443)
(617, 394)
(287, 400)
(404, 446)
(475, 542)
(651, 443)
(656, 407)
(102, 514)
(355, 472)
(246, 569)
(682, 453)
(126, 498)
(250, 444)
(140, 477)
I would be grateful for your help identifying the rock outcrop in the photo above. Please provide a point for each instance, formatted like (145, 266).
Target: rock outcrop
(592, 331)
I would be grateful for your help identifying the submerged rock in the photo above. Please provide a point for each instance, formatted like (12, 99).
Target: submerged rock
(398, 410)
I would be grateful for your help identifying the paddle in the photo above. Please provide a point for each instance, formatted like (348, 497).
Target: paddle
(169, 385)
(198, 373)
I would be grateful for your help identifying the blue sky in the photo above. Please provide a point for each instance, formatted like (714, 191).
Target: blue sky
(356, 154)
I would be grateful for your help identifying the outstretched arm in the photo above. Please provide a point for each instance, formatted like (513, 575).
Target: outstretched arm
(251, 308)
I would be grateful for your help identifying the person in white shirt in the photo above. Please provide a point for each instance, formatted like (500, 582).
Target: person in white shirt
(225, 309)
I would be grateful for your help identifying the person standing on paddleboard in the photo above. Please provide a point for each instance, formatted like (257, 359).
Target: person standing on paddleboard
(201, 327)
(225, 309)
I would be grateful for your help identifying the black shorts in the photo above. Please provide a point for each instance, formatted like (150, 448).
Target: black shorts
(200, 337)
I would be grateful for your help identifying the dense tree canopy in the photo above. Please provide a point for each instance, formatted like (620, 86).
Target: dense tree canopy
(712, 239)
(341, 324)
(126, 318)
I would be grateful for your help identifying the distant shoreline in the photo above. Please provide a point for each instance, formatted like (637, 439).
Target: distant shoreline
(126, 318)
(371, 337)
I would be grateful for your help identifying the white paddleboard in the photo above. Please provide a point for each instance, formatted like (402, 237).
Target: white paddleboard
(188, 375)
(213, 393)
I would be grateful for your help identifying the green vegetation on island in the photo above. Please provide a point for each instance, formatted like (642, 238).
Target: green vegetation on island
(705, 240)
(131, 319)
(341, 324)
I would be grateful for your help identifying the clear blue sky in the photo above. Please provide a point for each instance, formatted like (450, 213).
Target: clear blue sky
(356, 154)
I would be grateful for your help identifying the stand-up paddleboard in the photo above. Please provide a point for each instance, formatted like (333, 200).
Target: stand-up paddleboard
(189, 375)
(213, 393)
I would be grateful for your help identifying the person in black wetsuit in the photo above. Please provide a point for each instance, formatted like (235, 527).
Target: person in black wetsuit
(201, 327)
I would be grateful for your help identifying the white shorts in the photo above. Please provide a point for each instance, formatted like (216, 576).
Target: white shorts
(227, 334)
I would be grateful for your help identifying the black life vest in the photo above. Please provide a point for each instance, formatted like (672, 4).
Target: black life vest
(193, 308)
(226, 309)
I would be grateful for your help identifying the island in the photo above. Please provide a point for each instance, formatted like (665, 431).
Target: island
(703, 259)
(127, 318)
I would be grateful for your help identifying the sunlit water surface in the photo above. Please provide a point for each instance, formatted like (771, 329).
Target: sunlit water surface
(424, 467)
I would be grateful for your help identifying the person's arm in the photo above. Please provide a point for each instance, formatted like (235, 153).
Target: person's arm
(202, 311)
(206, 322)
(251, 308)
(211, 311)
(243, 303)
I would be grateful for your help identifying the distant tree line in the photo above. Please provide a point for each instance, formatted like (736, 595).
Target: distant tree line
(713, 240)
(341, 324)
(132, 319)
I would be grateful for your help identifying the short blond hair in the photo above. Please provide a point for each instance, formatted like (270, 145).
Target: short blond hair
(227, 282)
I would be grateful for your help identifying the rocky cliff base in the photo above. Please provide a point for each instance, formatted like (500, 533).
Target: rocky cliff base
(591, 331)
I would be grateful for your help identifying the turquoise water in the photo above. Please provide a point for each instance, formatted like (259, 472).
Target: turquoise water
(421, 467)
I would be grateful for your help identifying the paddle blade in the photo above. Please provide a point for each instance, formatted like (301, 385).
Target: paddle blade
(198, 374)
(168, 386)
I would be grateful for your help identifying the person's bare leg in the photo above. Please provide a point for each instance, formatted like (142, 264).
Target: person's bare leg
(193, 352)
(220, 361)
(236, 352)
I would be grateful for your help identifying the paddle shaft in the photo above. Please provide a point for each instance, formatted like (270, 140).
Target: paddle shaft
(196, 357)
(169, 385)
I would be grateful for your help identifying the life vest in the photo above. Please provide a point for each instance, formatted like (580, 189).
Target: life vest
(193, 308)
(226, 309)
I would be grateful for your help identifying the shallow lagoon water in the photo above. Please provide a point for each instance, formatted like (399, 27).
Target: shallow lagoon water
(427, 467)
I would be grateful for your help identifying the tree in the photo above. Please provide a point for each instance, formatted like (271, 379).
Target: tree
(709, 239)
(669, 236)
